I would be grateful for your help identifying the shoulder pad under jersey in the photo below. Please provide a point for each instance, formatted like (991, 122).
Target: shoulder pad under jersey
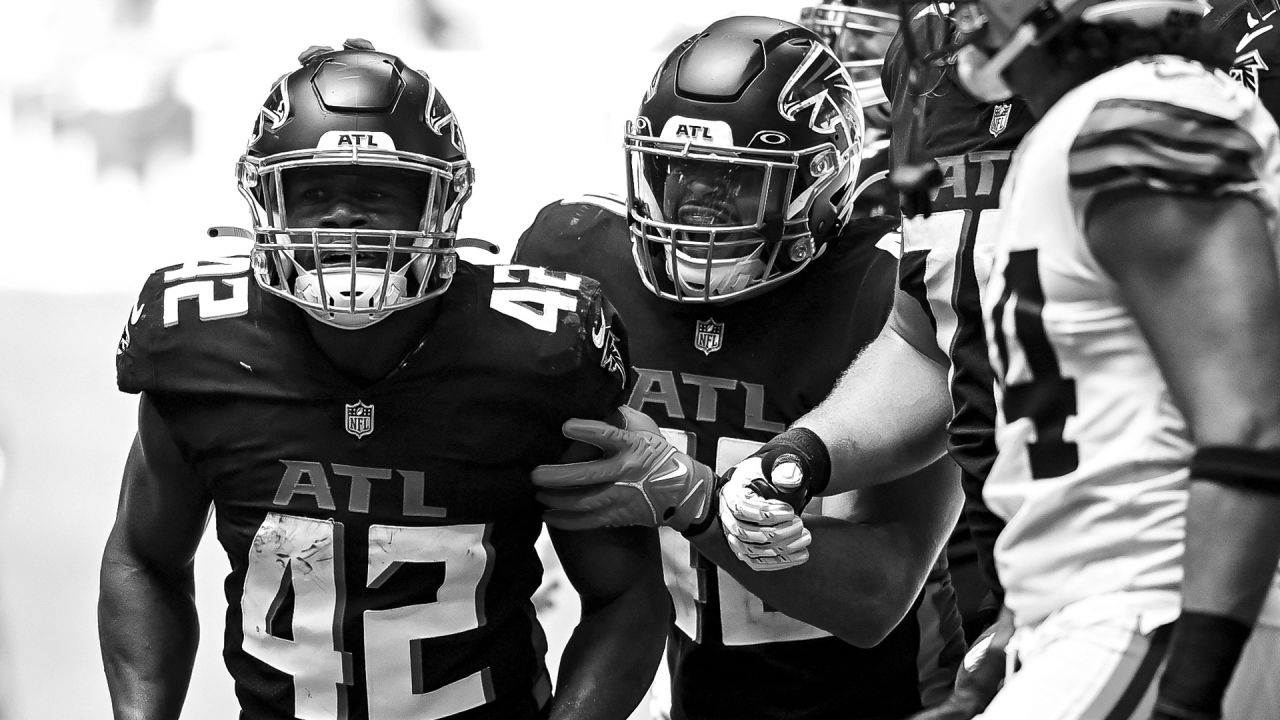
(580, 329)
(206, 327)
(1195, 132)
(564, 229)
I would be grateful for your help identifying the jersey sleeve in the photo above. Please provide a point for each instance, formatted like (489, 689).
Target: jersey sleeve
(135, 371)
(560, 327)
(608, 362)
(162, 346)
(190, 331)
(558, 233)
(1143, 144)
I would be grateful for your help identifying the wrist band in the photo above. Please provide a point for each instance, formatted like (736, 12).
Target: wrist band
(1203, 653)
(809, 452)
(1257, 470)
(713, 505)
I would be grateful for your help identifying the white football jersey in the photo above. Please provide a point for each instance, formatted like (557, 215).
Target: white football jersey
(1091, 474)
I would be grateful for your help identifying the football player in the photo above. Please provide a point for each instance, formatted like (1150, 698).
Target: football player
(749, 285)
(934, 339)
(931, 120)
(1136, 344)
(361, 410)
(1132, 326)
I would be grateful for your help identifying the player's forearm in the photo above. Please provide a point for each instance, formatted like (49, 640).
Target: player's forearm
(1232, 548)
(148, 631)
(886, 418)
(612, 655)
(858, 583)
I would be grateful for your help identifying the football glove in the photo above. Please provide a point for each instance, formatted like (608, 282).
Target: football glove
(765, 533)
(641, 480)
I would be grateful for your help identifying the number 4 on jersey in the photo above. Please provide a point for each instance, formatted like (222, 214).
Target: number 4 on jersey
(1047, 398)
(537, 298)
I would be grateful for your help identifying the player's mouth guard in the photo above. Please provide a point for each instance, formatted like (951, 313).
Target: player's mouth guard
(232, 231)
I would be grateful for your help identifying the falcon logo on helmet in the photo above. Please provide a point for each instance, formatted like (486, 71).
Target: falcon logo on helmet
(273, 112)
(438, 116)
(819, 86)
(859, 32)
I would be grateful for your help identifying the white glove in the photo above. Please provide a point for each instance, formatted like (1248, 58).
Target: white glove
(764, 533)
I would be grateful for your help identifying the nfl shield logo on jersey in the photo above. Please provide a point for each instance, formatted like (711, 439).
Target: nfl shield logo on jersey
(708, 335)
(359, 419)
(999, 118)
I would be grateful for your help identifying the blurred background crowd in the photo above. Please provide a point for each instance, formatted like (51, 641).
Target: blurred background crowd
(122, 121)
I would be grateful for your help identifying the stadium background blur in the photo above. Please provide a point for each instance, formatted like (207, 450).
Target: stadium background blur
(121, 122)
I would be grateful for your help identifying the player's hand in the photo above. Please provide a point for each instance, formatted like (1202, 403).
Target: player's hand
(980, 676)
(641, 480)
(764, 532)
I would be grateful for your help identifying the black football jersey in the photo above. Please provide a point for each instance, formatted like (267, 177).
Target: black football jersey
(1256, 44)
(946, 256)
(381, 538)
(722, 379)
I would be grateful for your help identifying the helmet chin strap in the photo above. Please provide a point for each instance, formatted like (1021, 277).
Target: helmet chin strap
(351, 308)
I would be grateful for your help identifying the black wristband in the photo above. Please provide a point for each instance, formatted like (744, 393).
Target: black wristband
(803, 447)
(1257, 470)
(1203, 653)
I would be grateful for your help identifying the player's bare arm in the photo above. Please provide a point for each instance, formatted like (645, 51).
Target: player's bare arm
(1170, 253)
(146, 610)
(613, 653)
(870, 554)
(886, 417)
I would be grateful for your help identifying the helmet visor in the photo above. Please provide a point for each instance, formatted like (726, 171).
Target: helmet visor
(710, 219)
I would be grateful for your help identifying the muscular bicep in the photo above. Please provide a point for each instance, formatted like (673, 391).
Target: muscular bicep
(1199, 276)
(604, 564)
(163, 506)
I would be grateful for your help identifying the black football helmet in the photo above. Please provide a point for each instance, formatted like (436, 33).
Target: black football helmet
(741, 161)
(859, 31)
(355, 107)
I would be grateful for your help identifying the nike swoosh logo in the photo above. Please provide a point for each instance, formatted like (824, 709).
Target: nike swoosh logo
(681, 469)
(136, 314)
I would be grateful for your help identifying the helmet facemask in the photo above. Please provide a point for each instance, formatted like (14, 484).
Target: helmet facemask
(363, 273)
(712, 223)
